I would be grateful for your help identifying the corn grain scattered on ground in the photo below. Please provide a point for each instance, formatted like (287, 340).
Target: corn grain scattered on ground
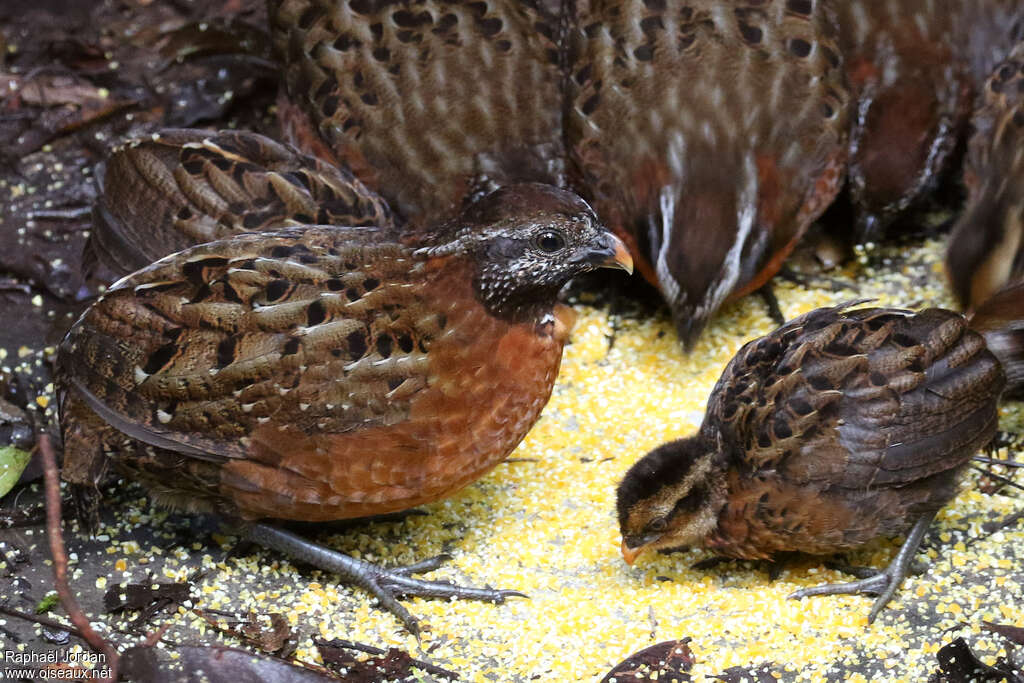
(543, 523)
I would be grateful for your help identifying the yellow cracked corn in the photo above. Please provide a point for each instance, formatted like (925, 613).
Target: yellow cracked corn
(543, 523)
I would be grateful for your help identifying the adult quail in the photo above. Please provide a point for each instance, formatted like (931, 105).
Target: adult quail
(319, 373)
(986, 250)
(709, 135)
(427, 102)
(915, 69)
(180, 187)
(836, 428)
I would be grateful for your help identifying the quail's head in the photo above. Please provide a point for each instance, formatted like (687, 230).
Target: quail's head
(670, 498)
(527, 241)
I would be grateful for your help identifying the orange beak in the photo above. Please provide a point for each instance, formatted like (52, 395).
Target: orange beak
(621, 257)
(608, 252)
(630, 554)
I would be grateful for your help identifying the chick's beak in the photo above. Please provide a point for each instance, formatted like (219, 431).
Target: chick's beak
(610, 252)
(630, 554)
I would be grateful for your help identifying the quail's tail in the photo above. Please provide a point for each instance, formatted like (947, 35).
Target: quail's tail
(1000, 319)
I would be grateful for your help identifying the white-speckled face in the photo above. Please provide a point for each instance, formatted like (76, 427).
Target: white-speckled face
(541, 257)
(528, 241)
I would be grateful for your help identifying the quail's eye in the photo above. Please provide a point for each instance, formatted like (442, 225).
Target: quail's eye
(550, 242)
(658, 525)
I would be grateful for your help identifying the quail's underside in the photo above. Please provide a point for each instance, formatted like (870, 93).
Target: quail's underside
(320, 373)
(838, 427)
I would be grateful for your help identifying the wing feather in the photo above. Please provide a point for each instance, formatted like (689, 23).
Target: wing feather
(859, 398)
(193, 353)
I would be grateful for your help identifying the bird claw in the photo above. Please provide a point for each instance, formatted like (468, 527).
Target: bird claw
(421, 567)
(883, 584)
(387, 585)
(916, 569)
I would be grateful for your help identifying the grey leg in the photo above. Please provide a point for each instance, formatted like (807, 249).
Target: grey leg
(916, 568)
(884, 583)
(385, 584)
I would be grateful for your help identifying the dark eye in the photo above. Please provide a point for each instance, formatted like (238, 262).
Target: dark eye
(550, 242)
(658, 525)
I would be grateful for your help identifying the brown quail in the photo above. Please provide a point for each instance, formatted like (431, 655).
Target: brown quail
(429, 101)
(179, 187)
(912, 94)
(320, 373)
(708, 135)
(914, 68)
(986, 249)
(836, 428)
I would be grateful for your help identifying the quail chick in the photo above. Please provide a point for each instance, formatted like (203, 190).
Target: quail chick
(836, 428)
(708, 135)
(180, 187)
(320, 373)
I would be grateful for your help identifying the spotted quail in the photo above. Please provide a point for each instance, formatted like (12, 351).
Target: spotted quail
(179, 187)
(319, 373)
(709, 135)
(986, 250)
(836, 428)
(429, 101)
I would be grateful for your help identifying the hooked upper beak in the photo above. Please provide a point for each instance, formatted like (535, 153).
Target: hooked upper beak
(610, 252)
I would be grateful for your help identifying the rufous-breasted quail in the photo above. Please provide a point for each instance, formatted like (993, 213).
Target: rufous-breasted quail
(914, 68)
(320, 373)
(709, 135)
(428, 101)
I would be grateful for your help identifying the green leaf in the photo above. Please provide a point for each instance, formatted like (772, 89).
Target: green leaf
(48, 601)
(12, 463)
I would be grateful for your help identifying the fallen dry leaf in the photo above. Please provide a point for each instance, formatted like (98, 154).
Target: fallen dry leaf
(668, 662)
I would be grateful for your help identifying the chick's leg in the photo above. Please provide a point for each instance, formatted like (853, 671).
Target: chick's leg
(884, 583)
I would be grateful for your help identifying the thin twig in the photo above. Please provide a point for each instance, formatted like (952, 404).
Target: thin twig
(157, 636)
(997, 461)
(51, 623)
(1001, 480)
(998, 526)
(42, 621)
(69, 214)
(60, 560)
